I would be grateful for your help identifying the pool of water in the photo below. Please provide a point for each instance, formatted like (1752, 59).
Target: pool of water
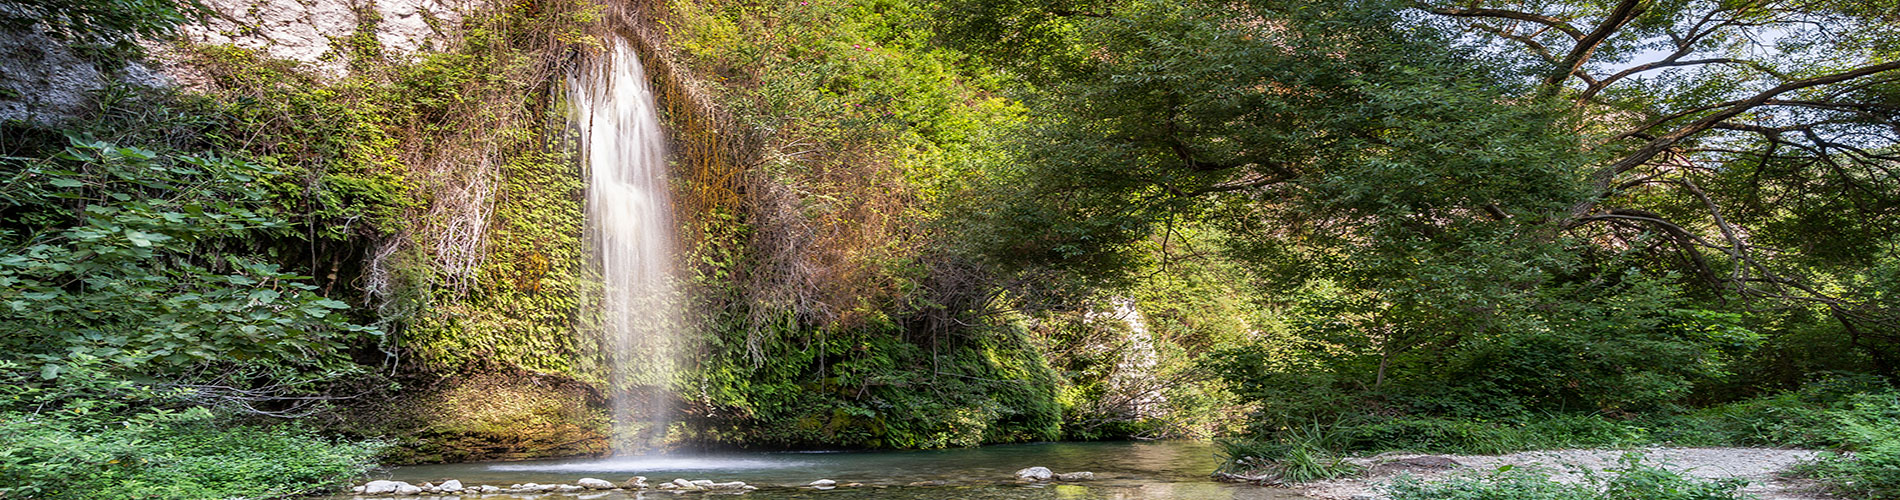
(1123, 471)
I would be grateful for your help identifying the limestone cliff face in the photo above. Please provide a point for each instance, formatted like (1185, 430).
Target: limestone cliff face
(321, 33)
(45, 82)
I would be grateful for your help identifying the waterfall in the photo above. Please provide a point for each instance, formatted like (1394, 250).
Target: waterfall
(630, 232)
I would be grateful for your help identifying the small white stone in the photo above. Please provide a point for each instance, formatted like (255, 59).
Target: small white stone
(595, 484)
(824, 482)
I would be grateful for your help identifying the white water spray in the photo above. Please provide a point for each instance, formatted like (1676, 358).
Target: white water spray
(630, 231)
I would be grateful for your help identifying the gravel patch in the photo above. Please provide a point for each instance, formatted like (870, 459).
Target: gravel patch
(1760, 466)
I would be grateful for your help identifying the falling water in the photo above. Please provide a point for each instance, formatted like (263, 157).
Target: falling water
(630, 231)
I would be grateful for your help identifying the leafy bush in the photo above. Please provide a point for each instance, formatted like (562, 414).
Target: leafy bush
(93, 435)
(169, 455)
(1630, 480)
(1870, 427)
(151, 264)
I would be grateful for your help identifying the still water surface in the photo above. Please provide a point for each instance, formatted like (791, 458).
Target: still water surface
(1123, 471)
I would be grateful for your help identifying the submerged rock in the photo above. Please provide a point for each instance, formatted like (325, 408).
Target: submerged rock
(595, 484)
(1075, 476)
(1035, 474)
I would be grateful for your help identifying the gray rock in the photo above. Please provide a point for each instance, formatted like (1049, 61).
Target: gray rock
(1035, 474)
(595, 484)
(729, 485)
(490, 489)
(406, 489)
(823, 482)
(635, 483)
(451, 486)
(569, 488)
(1075, 476)
(382, 487)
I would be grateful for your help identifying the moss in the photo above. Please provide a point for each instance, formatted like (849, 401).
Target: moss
(488, 412)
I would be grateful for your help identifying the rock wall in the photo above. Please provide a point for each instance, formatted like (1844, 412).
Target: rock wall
(327, 33)
(44, 82)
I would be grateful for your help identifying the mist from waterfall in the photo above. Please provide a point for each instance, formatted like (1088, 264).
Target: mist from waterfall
(630, 232)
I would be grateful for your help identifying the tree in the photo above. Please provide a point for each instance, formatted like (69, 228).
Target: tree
(1464, 174)
(1756, 138)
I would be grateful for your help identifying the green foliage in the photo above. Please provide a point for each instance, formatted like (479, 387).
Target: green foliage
(113, 26)
(1632, 479)
(140, 259)
(1311, 453)
(1870, 427)
(96, 435)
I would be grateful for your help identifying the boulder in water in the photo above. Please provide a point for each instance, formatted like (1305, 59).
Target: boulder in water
(382, 487)
(1075, 476)
(1035, 474)
(490, 489)
(823, 483)
(595, 484)
(635, 483)
(450, 486)
(406, 489)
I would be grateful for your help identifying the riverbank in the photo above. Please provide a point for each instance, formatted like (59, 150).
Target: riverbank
(1764, 469)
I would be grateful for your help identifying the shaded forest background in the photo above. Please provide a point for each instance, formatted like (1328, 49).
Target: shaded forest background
(1311, 229)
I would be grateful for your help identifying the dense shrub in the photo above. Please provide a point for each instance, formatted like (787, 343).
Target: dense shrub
(1870, 427)
(169, 455)
(90, 434)
(157, 265)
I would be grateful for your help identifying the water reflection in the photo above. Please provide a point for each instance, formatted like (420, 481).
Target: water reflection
(1124, 471)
